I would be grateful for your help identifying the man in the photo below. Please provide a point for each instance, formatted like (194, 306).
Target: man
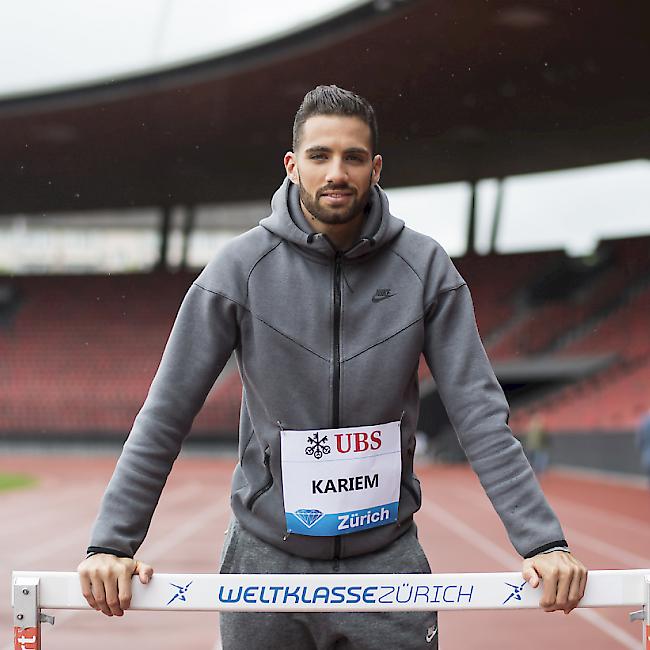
(328, 305)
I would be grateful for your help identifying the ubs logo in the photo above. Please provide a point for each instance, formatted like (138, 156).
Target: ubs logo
(357, 441)
(317, 446)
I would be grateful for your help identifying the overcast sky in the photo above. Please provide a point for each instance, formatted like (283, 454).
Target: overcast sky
(48, 45)
(571, 209)
(54, 43)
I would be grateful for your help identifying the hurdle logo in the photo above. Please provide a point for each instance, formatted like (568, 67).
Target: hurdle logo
(515, 593)
(317, 446)
(180, 592)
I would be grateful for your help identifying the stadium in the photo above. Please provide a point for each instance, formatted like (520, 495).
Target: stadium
(118, 188)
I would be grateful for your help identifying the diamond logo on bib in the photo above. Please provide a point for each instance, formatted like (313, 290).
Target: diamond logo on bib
(340, 481)
(309, 517)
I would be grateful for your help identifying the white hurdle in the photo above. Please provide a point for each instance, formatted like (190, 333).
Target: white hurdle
(33, 592)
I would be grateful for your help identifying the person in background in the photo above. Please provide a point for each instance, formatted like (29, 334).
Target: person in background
(537, 445)
(643, 443)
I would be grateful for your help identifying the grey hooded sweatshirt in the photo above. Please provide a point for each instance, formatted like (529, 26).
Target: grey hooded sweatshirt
(314, 350)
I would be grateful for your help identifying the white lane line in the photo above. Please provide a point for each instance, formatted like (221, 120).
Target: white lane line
(159, 549)
(180, 494)
(185, 530)
(609, 628)
(628, 559)
(14, 501)
(36, 512)
(47, 511)
(469, 534)
(633, 526)
(492, 550)
(51, 546)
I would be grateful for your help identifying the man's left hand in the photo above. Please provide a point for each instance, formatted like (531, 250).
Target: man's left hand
(564, 579)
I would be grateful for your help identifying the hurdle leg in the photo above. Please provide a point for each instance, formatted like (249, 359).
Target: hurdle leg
(643, 615)
(27, 614)
(646, 622)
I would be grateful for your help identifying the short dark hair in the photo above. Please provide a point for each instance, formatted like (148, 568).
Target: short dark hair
(332, 100)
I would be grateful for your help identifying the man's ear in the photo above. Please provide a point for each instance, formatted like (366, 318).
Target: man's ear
(377, 163)
(291, 166)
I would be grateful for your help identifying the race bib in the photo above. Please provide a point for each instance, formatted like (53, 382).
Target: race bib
(339, 481)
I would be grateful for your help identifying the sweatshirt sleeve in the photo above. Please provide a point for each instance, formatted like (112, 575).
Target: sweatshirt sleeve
(201, 341)
(478, 411)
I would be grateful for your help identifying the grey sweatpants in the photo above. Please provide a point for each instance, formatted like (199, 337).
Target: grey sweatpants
(245, 553)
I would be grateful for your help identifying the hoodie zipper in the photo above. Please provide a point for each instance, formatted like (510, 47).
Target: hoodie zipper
(336, 382)
(336, 352)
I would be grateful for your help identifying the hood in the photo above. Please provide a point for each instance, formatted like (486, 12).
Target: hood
(380, 227)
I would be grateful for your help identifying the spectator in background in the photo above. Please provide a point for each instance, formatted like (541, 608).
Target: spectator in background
(643, 443)
(537, 445)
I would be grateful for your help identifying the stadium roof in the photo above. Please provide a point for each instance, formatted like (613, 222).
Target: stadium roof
(463, 90)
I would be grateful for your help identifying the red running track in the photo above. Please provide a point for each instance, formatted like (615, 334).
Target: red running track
(606, 522)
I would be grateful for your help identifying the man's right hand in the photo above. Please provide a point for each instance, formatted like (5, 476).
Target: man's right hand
(106, 581)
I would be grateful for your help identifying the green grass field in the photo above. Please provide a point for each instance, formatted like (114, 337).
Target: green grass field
(15, 481)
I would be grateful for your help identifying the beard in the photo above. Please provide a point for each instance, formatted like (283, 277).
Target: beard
(334, 215)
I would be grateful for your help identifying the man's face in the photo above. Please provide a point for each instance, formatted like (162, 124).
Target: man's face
(334, 167)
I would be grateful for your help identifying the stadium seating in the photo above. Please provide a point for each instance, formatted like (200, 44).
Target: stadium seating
(77, 353)
(538, 328)
(496, 282)
(616, 397)
(81, 352)
(612, 401)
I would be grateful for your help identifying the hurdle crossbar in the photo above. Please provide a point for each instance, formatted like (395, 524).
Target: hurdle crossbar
(34, 591)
